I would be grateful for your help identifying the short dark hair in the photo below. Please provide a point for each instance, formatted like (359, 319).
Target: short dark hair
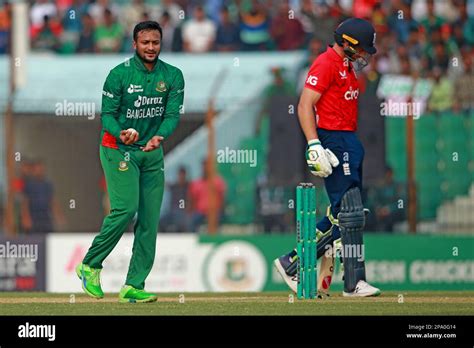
(146, 25)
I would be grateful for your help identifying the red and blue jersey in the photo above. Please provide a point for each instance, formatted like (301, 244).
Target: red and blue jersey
(334, 77)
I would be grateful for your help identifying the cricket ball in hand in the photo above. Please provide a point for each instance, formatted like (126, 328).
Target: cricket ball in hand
(131, 132)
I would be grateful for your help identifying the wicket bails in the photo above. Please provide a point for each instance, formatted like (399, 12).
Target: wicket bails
(306, 240)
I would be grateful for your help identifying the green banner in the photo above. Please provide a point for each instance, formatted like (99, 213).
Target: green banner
(393, 262)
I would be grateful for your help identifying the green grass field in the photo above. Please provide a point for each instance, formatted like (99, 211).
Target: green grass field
(274, 303)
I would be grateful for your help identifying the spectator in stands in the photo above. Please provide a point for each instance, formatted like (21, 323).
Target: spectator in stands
(169, 30)
(405, 66)
(382, 63)
(177, 218)
(414, 46)
(384, 201)
(464, 86)
(397, 54)
(5, 27)
(72, 25)
(63, 5)
(108, 37)
(86, 42)
(309, 18)
(39, 10)
(439, 58)
(199, 197)
(72, 16)
(97, 10)
(228, 34)
(442, 94)
(338, 12)
(462, 15)
(447, 38)
(468, 30)
(432, 21)
(445, 9)
(281, 89)
(22, 219)
(402, 22)
(40, 209)
(379, 19)
(213, 9)
(287, 30)
(458, 34)
(175, 11)
(255, 28)
(324, 23)
(424, 68)
(363, 8)
(46, 37)
(281, 86)
(199, 32)
(131, 14)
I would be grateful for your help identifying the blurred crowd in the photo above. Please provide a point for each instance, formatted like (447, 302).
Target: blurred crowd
(189, 202)
(429, 38)
(36, 207)
(103, 26)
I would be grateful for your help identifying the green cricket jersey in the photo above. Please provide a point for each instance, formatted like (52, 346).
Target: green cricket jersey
(148, 101)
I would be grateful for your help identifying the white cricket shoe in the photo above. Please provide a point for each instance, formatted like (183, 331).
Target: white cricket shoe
(363, 289)
(289, 280)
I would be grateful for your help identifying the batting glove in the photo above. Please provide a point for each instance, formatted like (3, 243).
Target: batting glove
(317, 159)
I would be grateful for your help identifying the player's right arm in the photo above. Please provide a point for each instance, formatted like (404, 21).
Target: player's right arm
(319, 160)
(111, 99)
(306, 116)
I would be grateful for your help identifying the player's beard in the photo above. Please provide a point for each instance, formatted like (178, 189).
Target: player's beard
(144, 59)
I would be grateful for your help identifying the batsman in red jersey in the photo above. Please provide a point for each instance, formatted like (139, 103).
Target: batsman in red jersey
(327, 112)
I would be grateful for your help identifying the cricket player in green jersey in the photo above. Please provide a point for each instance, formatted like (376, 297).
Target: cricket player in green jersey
(141, 104)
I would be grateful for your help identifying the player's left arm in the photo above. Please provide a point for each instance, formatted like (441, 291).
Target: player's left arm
(173, 107)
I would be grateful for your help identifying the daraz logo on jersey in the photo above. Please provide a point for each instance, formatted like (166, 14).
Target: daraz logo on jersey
(142, 100)
(351, 94)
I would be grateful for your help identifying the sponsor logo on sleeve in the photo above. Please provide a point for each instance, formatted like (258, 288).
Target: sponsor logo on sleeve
(108, 94)
(312, 80)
